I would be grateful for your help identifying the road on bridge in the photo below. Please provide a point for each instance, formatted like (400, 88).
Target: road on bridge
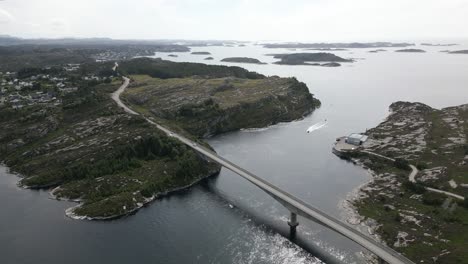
(292, 203)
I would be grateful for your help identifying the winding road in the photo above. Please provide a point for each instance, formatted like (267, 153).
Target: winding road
(293, 204)
(412, 176)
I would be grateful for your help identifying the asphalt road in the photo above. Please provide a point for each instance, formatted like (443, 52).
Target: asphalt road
(412, 176)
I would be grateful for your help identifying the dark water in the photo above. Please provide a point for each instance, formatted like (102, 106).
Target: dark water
(199, 226)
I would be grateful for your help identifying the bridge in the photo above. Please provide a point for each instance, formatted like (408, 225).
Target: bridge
(293, 204)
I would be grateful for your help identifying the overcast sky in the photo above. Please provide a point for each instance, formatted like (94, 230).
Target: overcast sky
(288, 20)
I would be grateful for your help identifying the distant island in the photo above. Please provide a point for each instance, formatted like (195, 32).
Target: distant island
(335, 45)
(306, 58)
(201, 53)
(242, 60)
(173, 55)
(438, 45)
(417, 201)
(209, 58)
(411, 50)
(328, 49)
(459, 52)
(330, 64)
(377, 50)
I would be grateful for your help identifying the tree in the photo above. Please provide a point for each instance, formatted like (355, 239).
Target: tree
(402, 164)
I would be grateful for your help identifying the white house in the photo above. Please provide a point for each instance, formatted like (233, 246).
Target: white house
(356, 139)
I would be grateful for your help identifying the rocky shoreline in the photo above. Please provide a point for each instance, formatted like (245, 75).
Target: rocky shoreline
(350, 213)
(399, 206)
(69, 212)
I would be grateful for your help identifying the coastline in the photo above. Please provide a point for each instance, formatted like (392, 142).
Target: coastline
(69, 212)
(349, 212)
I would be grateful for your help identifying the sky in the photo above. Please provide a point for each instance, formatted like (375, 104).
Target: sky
(254, 20)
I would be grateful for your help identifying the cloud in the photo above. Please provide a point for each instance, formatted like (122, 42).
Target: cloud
(5, 16)
(293, 20)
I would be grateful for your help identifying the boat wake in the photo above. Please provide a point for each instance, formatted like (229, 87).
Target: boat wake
(317, 126)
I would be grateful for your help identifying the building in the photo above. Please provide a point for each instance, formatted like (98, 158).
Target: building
(356, 139)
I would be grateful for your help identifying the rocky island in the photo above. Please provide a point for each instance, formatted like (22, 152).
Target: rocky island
(76, 140)
(242, 60)
(307, 58)
(417, 201)
(209, 58)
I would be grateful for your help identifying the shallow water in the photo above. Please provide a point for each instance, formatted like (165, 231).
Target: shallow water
(199, 226)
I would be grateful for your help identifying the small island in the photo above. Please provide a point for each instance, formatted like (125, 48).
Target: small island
(306, 58)
(458, 52)
(330, 64)
(173, 55)
(209, 58)
(200, 53)
(438, 45)
(411, 50)
(242, 60)
(328, 49)
(377, 51)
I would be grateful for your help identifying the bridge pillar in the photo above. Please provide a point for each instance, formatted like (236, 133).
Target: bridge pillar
(292, 225)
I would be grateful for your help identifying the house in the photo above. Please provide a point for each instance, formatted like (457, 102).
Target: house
(356, 139)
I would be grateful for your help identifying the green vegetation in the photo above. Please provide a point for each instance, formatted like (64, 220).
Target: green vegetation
(402, 164)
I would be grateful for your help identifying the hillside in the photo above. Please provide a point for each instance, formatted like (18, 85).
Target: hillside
(209, 106)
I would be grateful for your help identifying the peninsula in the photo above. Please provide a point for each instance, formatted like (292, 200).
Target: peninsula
(417, 201)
